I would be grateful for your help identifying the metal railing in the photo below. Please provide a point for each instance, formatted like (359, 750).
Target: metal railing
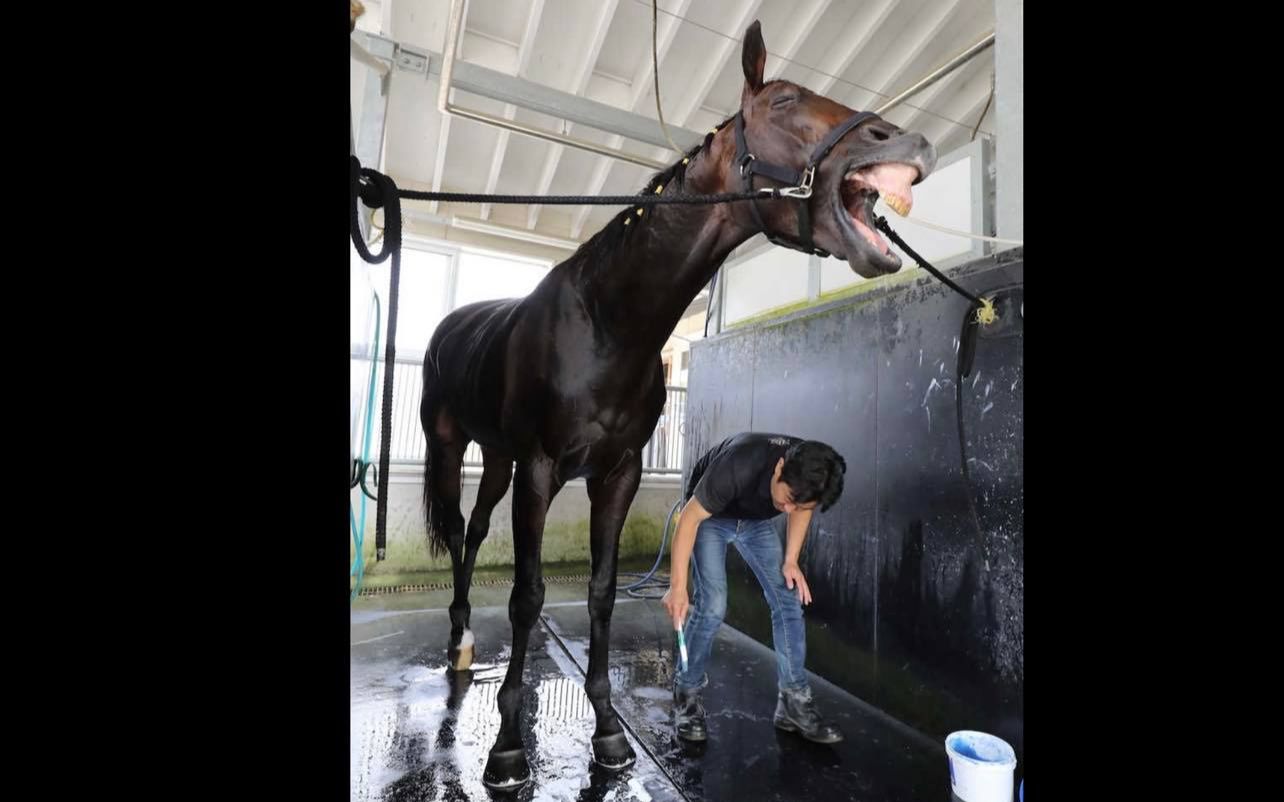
(662, 454)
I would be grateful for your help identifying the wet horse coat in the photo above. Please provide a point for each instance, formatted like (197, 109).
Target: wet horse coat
(567, 382)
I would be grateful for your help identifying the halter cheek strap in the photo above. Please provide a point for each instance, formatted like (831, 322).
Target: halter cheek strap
(798, 181)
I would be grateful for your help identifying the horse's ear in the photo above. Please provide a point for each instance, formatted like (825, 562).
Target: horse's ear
(754, 57)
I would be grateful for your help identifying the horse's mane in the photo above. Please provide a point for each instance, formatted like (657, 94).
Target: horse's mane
(625, 225)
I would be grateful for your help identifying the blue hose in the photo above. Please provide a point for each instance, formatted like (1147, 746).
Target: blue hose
(646, 582)
(359, 530)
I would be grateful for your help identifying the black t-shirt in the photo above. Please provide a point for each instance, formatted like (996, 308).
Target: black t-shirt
(733, 480)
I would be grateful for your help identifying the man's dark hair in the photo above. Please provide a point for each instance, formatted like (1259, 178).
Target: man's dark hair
(814, 471)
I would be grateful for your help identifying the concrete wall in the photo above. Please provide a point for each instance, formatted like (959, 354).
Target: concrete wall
(566, 532)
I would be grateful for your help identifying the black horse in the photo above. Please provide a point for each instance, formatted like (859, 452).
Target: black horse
(567, 382)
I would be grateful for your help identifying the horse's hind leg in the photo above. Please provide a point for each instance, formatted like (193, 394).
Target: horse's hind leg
(446, 444)
(497, 473)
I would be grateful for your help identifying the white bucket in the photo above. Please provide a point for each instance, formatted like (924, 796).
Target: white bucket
(981, 766)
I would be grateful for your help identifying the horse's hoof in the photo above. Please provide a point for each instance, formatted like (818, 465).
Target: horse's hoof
(613, 752)
(507, 769)
(461, 655)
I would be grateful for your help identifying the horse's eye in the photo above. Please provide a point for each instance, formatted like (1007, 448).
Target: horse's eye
(782, 101)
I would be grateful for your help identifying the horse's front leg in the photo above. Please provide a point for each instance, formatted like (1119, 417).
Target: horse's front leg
(534, 486)
(610, 498)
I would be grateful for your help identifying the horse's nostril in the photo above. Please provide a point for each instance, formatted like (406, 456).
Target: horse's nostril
(879, 134)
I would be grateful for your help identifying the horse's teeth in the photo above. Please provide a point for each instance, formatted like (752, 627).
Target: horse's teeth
(898, 204)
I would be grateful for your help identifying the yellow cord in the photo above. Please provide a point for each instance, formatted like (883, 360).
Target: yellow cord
(986, 314)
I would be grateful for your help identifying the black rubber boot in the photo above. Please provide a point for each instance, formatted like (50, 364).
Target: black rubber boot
(796, 712)
(688, 715)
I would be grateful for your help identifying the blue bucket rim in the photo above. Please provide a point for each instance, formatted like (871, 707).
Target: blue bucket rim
(1008, 764)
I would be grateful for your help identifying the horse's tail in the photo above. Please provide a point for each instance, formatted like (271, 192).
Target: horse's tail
(433, 506)
(471, 331)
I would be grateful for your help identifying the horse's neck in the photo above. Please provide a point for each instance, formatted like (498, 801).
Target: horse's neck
(650, 281)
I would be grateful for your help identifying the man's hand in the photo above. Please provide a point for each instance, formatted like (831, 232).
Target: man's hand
(676, 602)
(794, 579)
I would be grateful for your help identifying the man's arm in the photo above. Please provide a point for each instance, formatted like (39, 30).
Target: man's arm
(676, 600)
(799, 521)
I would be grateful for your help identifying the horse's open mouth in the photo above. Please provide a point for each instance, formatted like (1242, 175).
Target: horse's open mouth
(860, 188)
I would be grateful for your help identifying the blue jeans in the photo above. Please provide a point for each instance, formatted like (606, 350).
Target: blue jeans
(760, 546)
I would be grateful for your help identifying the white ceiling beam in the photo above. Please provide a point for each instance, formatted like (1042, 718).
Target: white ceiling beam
(524, 50)
(439, 164)
(702, 84)
(966, 107)
(579, 83)
(840, 60)
(921, 105)
(443, 134)
(803, 31)
(911, 45)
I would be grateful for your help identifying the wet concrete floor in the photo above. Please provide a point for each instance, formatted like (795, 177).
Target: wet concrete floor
(422, 732)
